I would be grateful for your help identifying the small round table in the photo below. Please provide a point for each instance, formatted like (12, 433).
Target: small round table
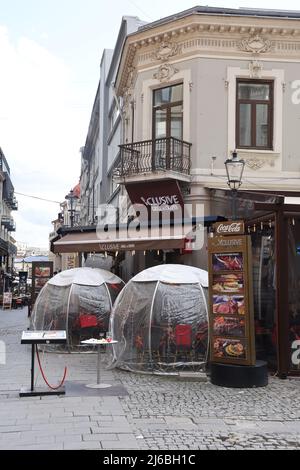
(99, 343)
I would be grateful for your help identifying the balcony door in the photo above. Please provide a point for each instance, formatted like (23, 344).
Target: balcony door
(167, 124)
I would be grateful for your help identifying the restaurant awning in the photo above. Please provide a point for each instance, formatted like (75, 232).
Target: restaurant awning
(163, 238)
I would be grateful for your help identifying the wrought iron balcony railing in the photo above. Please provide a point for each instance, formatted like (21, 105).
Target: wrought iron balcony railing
(11, 201)
(8, 223)
(165, 154)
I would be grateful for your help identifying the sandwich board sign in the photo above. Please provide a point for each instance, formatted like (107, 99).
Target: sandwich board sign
(7, 299)
(230, 296)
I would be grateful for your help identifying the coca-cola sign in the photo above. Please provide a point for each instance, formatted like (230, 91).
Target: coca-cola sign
(230, 228)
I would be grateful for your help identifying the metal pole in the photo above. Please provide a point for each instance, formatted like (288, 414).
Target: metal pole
(32, 366)
(71, 211)
(234, 201)
(98, 363)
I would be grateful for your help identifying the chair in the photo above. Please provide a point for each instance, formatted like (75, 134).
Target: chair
(19, 303)
(86, 326)
(86, 321)
(145, 354)
(183, 342)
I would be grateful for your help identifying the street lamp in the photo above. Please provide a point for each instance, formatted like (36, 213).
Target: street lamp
(71, 197)
(234, 169)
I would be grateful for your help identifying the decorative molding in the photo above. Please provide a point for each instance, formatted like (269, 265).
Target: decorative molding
(212, 38)
(255, 69)
(255, 160)
(255, 163)
(166, 50)
(255, 44)
(165, 72)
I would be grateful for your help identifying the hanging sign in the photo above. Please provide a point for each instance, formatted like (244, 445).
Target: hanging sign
(157, 197)
(231, 299)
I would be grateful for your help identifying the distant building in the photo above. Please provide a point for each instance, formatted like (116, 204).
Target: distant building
(67, 217)
(8, 204)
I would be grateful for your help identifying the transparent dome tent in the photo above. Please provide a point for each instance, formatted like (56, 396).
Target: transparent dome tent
(79, 301)
(160, 321)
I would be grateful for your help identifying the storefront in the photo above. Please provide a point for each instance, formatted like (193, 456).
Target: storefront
(274, 225)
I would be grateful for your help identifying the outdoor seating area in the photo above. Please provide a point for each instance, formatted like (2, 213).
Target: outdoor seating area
(79, 301)
(15, 301)
(160, 321)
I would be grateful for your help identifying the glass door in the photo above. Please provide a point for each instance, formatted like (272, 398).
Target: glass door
(264, 292)
(167, 125)
(294, 293)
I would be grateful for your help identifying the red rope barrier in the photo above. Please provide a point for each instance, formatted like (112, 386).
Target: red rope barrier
(44, 377)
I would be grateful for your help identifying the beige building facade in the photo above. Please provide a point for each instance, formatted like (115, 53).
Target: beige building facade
(216, 57)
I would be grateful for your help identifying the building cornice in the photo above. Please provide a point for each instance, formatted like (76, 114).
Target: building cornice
(243, 37)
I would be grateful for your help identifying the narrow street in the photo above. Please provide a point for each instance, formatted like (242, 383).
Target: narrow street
(157, 413)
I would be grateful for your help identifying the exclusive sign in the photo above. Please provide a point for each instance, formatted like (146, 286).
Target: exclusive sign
(230, 228)
(157, 197)
(231, 300)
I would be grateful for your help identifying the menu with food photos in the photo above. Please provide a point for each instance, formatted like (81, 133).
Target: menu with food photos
(42, 271)
(231, 299)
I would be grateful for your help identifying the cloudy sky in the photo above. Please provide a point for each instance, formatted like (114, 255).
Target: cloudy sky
(50, 52)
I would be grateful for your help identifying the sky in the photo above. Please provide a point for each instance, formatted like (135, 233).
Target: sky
(50, 52)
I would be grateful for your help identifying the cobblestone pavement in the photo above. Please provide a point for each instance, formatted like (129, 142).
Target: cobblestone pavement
(158, 412)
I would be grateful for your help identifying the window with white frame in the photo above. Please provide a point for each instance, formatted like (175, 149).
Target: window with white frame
(115, 113)
(254, 114)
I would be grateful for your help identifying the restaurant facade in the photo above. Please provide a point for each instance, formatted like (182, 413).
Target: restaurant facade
(185, 92)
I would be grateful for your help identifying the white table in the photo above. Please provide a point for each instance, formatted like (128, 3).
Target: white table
(99, 343)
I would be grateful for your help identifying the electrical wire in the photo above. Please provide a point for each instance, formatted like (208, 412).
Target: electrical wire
(40, 198)
(139, 8)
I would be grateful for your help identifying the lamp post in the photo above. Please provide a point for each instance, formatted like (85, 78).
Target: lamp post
(234, 169)
(71, 197)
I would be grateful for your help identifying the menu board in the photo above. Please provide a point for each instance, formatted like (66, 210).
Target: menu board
(23, 282)
(42, 271)
(7, 300)
(231, 300)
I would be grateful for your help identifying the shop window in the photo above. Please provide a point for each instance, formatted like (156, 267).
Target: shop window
(264, 293)
(294, 292)
(254, 114)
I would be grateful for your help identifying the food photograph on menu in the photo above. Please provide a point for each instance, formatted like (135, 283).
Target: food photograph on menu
(42, 271)
(229, 304)
(39, 283)
(223, 325)
(227, 262)
(229, 348)
(233, 282)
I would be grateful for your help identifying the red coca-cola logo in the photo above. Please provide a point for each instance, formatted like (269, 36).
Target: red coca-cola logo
(234, 227)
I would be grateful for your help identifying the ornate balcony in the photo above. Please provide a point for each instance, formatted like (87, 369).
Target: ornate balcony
(157, 159)
(8, 223)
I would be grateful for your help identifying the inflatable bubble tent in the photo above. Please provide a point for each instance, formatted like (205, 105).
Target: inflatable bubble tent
(160, 321)
(79, 301)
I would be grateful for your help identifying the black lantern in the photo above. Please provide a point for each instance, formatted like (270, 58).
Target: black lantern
(71, 198)
(234, 169)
